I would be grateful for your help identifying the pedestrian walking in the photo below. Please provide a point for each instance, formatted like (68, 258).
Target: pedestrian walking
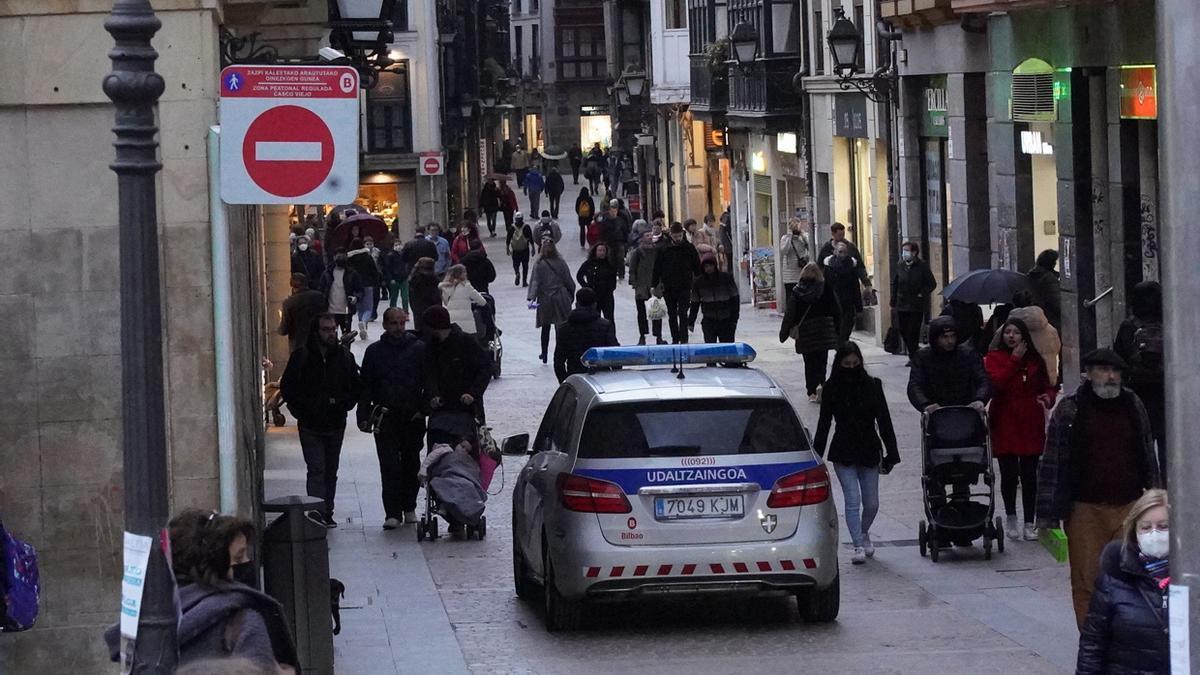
(716, 294)
(675, 268)
(458, 297)
(223, 617)
(320, 385)
(393, 381)
(641, 278)
(480, 270)
(1139, 342)
(1045, 337)
(599, 274)
(547, 230)
(841, 272)
(535, 184)
(457, 369)
(519, 244)
(550, 291)
(314, 242)
(489, 203)
(1126, 630)
(395, 274)
(946, 373)
(585, 208)
(811, 321)
(595, 168)
(554, 190)
(423, 291)
(307, 261)
(299, 311)
(462, 242)
(360, 260)
(442, 261)
(793, 256)
(420, 246)
(1021, 394)
(837, 234)
(518, 223)
(640, 227)
(912, 282)
(615, 233)
(575, 156)
(342, 288)
(864, 442)
(583, 329)
(968, 319)
(1044, 283)
(520, 165)
(1099, 457)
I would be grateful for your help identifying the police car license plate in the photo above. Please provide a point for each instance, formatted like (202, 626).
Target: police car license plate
(717, 506)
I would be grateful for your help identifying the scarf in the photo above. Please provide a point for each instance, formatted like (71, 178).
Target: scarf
(1158, 568)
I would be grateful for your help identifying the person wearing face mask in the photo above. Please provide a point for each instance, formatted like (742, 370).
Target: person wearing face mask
(854, 401)
(342, 287)
(793, 255)
(912, 282)
(222, 613)
(314, 241)
(395, 274)
(1098, 459)
(812, 322)
(675, 268)
(1126, 626)
(308, 262)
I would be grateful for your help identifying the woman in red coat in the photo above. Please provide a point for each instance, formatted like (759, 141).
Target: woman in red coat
(1022, 394)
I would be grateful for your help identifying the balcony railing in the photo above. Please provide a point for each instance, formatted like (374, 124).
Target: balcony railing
(765, 88)
(915, 12)
(710, 90)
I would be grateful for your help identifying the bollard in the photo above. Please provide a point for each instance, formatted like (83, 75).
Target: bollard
(296, 573)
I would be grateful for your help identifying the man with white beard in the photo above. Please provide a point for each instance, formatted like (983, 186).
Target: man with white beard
(1099, 459)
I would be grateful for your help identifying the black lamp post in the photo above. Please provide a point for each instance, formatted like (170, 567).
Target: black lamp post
(744, 39)
(844, 40)
(635, 79)
(134, 88)
(362, 30)
(622, 91)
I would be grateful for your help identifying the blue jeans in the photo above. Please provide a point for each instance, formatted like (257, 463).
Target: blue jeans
(366, 305)
(860, 491)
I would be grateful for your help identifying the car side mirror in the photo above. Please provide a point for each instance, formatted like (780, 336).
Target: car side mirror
(515, 445)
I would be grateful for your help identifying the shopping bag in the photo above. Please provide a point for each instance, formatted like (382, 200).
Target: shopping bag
(1054, 540)
(891, 341)
(656, 309)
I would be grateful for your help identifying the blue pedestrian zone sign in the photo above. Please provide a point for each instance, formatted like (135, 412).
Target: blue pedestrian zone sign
(233, 81)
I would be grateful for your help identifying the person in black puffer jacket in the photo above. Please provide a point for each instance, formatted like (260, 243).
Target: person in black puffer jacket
(815, 314)
(854, 400)
(1125, 632)
(599, 274)
(717, 293)
(912, 282)
(675, 268)
(480, 270)
(946, 373)
(583, 329)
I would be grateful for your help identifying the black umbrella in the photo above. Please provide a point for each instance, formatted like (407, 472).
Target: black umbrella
(985, 287)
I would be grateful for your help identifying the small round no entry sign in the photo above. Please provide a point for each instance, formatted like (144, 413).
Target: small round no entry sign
(288, 151)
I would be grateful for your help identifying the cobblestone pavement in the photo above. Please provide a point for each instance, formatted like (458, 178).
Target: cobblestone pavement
(449, 606)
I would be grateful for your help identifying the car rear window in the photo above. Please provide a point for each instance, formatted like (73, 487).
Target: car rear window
(688, 428)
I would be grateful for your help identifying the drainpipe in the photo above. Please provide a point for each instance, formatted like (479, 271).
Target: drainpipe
(222, 330)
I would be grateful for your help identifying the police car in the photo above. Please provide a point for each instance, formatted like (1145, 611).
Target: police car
(664, 480)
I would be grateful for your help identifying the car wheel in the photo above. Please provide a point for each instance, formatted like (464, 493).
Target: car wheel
(821, 605)
(561, 614)
(922, 539)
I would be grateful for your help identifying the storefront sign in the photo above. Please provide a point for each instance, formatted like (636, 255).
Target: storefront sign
(1139, 93)
(590, 110)
(933, 122)
(850, 116)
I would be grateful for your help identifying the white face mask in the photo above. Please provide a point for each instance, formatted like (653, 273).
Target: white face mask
(397, 247)
(303, 247)
(1155, 543)
(906, 255)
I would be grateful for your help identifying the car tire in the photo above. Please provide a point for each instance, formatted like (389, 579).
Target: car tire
(562, 615)
(821, 605)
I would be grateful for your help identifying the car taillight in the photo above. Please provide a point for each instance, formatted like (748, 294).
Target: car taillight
(588, 495)
(810, 486)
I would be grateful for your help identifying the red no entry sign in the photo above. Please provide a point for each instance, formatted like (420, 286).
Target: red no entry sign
(288, 151)
(432, 163)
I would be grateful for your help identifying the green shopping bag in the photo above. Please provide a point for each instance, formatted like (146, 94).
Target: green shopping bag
(1054, 540)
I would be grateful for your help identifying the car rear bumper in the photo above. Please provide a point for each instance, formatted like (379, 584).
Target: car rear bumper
(749, 584)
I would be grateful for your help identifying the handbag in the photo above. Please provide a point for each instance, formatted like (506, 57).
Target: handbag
(891, 342)
(656, 309)
(795, 332)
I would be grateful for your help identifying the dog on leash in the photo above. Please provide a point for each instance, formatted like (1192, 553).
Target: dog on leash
(337, 590)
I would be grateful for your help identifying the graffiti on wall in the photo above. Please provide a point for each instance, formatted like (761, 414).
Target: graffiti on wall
(1149, 227)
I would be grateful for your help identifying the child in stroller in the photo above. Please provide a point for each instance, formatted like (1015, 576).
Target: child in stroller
(456, 473)
(955, 453)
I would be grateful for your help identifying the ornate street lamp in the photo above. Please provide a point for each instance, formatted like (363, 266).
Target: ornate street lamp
(745, 43)
(622, 93)
(844, 40)
(488, 98)
(635, 79)
(362, 30)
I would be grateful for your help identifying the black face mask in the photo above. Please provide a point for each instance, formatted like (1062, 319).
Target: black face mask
(246, 573)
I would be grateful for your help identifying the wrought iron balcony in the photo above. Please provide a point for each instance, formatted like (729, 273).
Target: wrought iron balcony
(710, 86)
(765, 88)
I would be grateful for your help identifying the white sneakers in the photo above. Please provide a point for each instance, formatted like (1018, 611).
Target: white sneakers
(1031, 533)
(859, 556)
(868, 547)
(1012, 528)
(391, 523)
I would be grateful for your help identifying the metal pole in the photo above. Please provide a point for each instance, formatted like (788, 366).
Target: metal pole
(1177, 24)
(134, 87)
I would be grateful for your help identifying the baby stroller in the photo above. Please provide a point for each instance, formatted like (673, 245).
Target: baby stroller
(488, 333)
(955, 453)
(456, 483)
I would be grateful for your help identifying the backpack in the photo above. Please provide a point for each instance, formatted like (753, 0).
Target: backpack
(1148, 339)
(585, 210)
(546, 231)
(19, 587)
(519, 242)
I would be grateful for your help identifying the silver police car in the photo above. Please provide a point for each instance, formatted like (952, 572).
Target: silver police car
(672, 479)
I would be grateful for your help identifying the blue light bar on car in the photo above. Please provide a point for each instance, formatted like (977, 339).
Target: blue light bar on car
(667, 355)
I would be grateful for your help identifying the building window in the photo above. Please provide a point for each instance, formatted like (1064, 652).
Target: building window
(675, 14)
(819, 42)
(516, 6)
(533, 6)
(858, 21)
(581, 54)
(519, 42)
(400, 16)
(535, 54)
(389, 112)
